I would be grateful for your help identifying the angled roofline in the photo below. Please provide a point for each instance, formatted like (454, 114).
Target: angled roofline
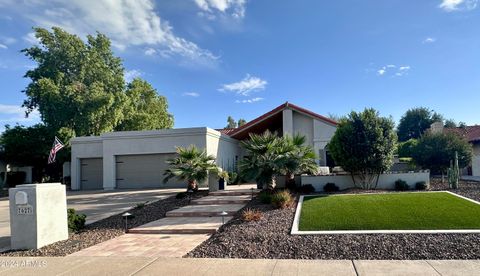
(276, 111)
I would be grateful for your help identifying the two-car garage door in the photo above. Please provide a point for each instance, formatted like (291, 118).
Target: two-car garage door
(143, 171)
(91, 173)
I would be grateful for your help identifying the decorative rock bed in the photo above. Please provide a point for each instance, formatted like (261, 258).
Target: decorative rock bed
(106, 229)
(270, 238)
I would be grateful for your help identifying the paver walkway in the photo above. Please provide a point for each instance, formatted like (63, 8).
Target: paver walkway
(179, 232)
(231, 267)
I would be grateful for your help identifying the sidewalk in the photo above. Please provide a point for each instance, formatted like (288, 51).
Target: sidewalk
(175, 266)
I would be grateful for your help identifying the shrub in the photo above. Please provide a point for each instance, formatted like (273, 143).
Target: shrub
(233, 176)
(141, 205)
(265, 197)
(307, 189)
(251, 215)
(282, 199)
(330, 188)
(75, 221)
(421, 185)
(401, 185)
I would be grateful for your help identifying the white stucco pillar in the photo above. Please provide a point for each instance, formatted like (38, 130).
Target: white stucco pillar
(287, 122)
(109, 170)
(75, 173)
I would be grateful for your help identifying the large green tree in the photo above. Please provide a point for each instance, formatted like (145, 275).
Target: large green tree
(80, 86)
(415, 122)
(30, 146)
(363, 145)
(145, 109)
(434, 151)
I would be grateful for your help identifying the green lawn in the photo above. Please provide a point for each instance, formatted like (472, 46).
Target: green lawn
(393, 211)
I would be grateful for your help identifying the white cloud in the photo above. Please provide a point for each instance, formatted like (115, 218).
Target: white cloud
(429, 40)
(132, 74)
(127, 23)
(253, 100)
(191, 94)
(235, 8)
(2, 46)
(456, 5)
(150, 52)
(246, 86)
(11, 114)
(393, 70)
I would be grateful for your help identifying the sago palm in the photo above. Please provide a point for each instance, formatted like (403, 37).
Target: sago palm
(191, 165)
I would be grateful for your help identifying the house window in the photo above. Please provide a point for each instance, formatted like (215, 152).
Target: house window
(322, 158)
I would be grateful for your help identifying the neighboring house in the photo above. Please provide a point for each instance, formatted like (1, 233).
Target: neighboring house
(472, 135)
(136, 159)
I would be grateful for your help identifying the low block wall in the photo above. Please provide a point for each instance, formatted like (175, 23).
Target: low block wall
(386, 181)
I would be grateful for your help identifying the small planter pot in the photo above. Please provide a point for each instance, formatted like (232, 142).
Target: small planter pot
(221, 184)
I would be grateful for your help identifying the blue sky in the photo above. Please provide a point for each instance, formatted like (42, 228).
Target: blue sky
(214, 58)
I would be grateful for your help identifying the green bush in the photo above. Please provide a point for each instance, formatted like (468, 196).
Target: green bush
(233, 176)
(307, 189)
(75, 221)
(401, 185)
(265, 197)
(421, 185)
(282, 199)
(330, 188)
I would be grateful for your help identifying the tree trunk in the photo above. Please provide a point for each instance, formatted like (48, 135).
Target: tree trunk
(271, 183)
(290, 180)
(192, 185)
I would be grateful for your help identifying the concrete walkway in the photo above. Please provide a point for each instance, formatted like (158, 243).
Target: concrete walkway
(96, 205)
(179, 232)
(231, 267)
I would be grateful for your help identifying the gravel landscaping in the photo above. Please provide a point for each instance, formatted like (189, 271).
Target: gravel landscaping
(270, 238)
(107, 229)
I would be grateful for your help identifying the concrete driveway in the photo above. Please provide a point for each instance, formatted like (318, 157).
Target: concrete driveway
(96, 205)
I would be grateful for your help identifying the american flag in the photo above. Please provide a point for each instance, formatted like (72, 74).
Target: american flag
(57, 145)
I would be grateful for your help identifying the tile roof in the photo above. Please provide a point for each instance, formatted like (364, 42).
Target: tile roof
(471, 133)
(226, 131)
(279, 109)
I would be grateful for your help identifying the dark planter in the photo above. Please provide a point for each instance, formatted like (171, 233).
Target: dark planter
(221, 184)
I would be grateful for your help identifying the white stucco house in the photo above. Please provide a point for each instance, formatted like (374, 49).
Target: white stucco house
(136, 159)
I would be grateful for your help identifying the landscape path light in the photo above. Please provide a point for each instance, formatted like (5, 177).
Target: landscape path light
(126, 216)
(223, 214)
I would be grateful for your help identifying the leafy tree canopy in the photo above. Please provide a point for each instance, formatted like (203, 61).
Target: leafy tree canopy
(231, 123)
(405, 149)
(415, 121)
(364, 144)
(434, 151)
(145, 109)
(80, 85)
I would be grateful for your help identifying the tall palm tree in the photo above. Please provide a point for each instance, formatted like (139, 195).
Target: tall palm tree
(299, 158)
(191, 165)
(269, 155)
(261, 162)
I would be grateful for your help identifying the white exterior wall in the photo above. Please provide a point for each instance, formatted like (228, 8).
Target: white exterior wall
(225, 149)
(386, 181)
(287, 121)
(476, 160)
(109, 145)
(83, 147)
(303, 125)
(318, 133)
